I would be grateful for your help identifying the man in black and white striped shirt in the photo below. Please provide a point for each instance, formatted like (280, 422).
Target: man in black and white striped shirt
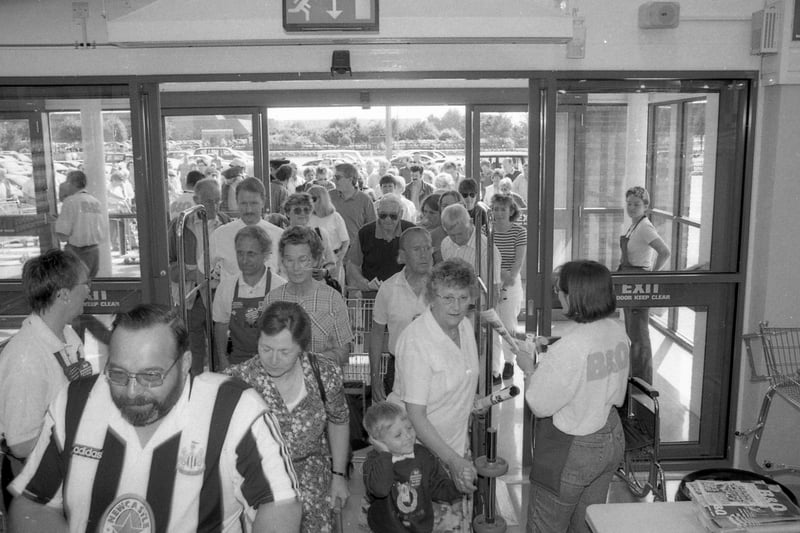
(149, 448)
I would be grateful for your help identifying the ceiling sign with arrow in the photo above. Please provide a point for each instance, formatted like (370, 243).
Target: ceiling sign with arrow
(330, 15)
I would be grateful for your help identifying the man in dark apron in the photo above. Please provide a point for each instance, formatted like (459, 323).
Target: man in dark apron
(239, 300)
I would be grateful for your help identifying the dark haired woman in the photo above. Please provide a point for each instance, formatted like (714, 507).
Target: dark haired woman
(304, 392)
(574, 392)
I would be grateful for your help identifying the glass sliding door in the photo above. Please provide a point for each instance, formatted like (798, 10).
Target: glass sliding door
(665, 137)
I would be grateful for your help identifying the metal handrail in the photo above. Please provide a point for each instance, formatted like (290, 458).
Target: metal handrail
(483, 216)
(198, 211)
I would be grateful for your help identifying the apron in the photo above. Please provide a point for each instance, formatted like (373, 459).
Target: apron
(625, 263)
(245, 315)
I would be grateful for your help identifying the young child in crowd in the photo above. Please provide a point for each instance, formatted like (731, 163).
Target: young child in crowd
(402, 478)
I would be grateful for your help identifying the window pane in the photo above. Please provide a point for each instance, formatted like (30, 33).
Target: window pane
(599, 239)
(665, 148)
(663, 142)
(689, 254)
(17, 197)
(374, 140)
(95, 136)
(208, 144)
(678, 361)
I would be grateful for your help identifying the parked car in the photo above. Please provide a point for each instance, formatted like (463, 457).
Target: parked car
(403, 159)
(496, 158)
(348, 156)
(227, 155)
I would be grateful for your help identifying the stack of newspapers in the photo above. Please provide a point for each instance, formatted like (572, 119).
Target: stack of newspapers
(737, 506)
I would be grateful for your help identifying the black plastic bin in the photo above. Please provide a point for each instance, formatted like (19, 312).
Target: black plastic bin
(726, 474)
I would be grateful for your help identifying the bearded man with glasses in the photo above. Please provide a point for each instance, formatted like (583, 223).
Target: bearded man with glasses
(373, 257)
(151, 447)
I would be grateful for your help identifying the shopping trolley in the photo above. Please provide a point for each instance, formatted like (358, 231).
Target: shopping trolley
(778, 363)
(640, 417)
(356, 373)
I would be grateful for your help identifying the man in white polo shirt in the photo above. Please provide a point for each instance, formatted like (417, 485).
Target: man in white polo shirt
(146, 447)
(400, 299)
(250, 197)
(82, 223)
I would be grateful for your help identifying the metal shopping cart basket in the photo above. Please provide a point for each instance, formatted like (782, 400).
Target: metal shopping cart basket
(777, 361)
(356, 373)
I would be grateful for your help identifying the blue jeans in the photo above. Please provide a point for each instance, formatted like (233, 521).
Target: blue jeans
(587, 474)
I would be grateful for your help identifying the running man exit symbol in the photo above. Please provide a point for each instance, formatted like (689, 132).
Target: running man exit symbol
(330, 15)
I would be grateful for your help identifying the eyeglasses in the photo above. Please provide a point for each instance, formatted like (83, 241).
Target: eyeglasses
(150, 379)
(303, 261)
(393, 216)
(450, 300)
(298, 210)
(470, 195)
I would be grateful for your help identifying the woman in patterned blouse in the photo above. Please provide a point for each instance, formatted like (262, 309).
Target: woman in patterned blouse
(310, 406)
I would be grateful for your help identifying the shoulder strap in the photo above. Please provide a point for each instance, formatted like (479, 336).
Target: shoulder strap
(633, 228)
(60, 360)
(312, 360)
(269, 281)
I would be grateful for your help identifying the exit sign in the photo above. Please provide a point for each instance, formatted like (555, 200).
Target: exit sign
(330, 15)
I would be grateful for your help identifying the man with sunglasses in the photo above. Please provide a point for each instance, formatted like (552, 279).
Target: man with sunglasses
(373, 257)
(469, 190)
(147, 447)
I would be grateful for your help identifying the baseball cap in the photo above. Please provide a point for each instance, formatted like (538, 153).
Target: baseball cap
(236, 162)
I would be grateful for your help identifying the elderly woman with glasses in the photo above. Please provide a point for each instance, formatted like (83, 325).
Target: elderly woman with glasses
(304, 392)
(325, 217)
(298, 208)
(300, 248)
(436, 372)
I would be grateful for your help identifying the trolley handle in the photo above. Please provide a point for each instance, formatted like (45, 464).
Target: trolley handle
(757, 365)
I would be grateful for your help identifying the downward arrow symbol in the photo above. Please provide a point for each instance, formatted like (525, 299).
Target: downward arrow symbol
(333, 12)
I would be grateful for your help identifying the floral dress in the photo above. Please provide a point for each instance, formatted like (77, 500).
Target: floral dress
(304, 430)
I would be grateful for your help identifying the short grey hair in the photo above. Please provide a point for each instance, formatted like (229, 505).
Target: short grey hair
(257, 234)
(388, 200)
(454, 214)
